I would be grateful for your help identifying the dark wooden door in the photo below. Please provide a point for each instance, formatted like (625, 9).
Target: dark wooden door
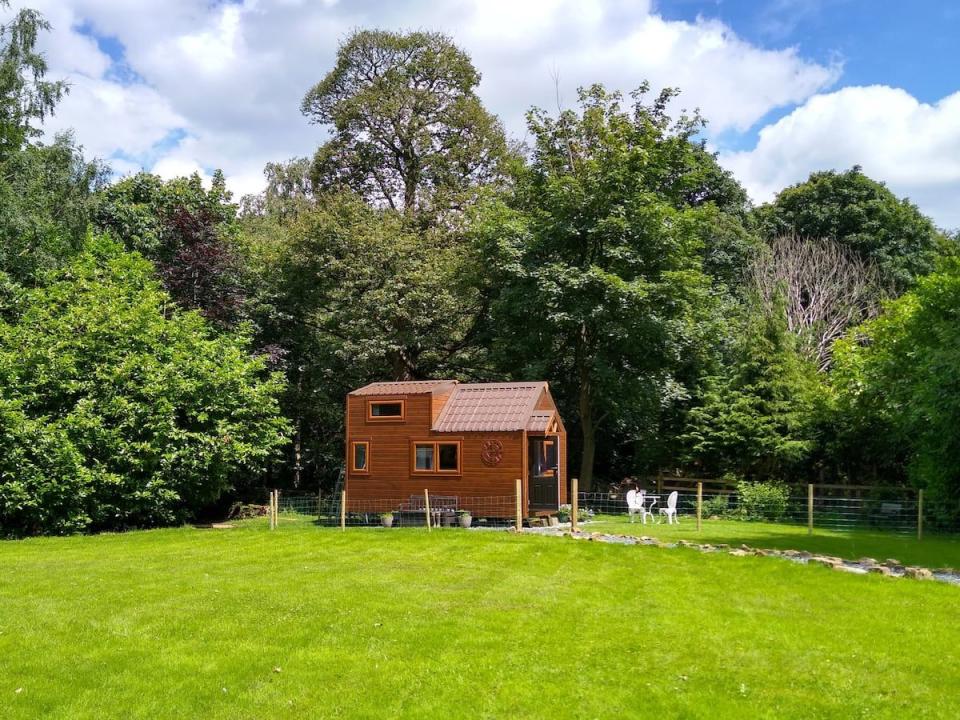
(544, 472)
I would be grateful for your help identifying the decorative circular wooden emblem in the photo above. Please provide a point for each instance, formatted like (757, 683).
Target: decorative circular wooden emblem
(491, 452)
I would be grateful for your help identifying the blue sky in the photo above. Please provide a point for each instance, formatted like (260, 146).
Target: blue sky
(909, 44)
(905, 43)
(789, 86)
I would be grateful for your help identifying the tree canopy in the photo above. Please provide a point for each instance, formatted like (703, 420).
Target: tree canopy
(755, 416)
(187, 231)
(120, 410)
(862, 214)
(901, 372)
(407, 128)
(47, 195)
(26, 97)
(602, 258)
(159, 343)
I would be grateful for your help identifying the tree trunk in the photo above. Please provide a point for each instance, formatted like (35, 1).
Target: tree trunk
(587, 426)
(589, 450)
(297, 456)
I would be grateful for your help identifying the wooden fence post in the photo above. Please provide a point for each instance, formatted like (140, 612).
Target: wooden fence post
(920, 514)
(699, 506)
(276, 508)
(343, 509)
(426, 498)
(519, 503)
(810, 509)
(270, 510)
(574, 503)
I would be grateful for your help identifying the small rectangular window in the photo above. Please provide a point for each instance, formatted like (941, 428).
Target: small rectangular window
(386, 410)
(361, 457)
(436, 457)
(424, 458)
(448, 457)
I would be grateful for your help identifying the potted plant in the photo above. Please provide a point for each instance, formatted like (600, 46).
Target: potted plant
(465, 518)
(386, 519)
(563, 513)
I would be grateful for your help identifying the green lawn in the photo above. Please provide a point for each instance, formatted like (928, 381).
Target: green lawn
(376, 623)
(933, 551)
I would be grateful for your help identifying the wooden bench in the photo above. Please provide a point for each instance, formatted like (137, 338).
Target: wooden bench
(443, 508)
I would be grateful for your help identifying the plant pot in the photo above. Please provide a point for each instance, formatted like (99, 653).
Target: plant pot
(387, 521)
(465, 521)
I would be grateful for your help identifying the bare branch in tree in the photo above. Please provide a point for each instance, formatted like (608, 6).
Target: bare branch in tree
(827, 289)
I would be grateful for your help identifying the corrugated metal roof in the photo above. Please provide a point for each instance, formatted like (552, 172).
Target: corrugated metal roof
(405, 387)
(489, 407)
(539, 421)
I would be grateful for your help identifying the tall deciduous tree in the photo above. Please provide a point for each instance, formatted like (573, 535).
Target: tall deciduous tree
(900, 376)
(45, 190)
(47, 196)
(408, 130)
(602, 260)
(117, 409)
(26, 98)
(863, 215)
(395, 302)
(187, 231)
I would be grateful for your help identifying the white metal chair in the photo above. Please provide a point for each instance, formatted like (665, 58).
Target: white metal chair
(637, 503)
(632, 506)
(671, 509)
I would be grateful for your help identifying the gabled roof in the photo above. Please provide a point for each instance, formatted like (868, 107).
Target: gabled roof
(405, 387)
(489, 407)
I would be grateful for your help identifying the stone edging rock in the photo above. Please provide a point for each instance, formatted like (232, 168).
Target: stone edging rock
(889, 568)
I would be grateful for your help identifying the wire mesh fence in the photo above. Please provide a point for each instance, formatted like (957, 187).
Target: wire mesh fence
(433, 511)
(296, 507)
(902, 511)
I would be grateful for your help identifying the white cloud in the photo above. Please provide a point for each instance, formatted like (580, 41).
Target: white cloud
(109, 117)
(912, 146)
(228, 79)
(231, 76)
(519, 47)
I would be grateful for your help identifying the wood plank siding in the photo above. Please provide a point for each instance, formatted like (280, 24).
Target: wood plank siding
(389, 472)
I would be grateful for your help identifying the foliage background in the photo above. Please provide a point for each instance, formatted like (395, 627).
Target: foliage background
(164, 349)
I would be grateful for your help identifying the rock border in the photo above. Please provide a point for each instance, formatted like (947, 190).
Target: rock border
(890, 567)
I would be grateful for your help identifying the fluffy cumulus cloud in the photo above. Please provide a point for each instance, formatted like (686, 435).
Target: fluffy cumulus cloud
(192, 85)
(912, 146)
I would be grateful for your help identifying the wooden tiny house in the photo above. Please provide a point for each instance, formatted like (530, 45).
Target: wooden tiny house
(469, 440)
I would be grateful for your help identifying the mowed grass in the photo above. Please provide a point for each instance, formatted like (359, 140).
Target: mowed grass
(310, 622)
(934, 551)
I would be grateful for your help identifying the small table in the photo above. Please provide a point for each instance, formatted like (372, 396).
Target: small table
(654, 499)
